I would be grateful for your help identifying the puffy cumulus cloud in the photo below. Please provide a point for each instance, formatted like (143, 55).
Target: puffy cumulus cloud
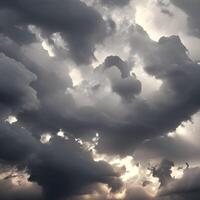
(191, 8)
(79, 25)
(16, 94)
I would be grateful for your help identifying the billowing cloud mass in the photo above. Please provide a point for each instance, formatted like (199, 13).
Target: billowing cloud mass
(79, 25)
(192, 10)
(92, 106)
(16, 92)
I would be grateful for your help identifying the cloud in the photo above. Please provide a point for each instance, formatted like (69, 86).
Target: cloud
(122, 81)
(16, 94)
(174, 102)
(71, 168)
(185, 188)
(79, 25)
(191, 9)
(163, 172)
(119, 63)
(107, 102)
(115, 2)
(137, 193)
(17, 144)
(22, 192)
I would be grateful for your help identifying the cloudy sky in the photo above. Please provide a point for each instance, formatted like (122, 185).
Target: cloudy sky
(99, 100)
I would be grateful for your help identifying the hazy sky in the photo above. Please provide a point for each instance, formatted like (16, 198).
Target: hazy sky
(99, 100)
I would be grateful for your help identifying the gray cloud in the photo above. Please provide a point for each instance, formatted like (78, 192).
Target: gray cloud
(81, 26)
(185, 188)
(137, 193)
(71, 168)
(175, 101)
(17, 144)
(40, 93)
(123, 83)
(16, 94)
(127, 87)
(19, 192)
(119, 3)
(191, 8)
(119, 63)
(163, 172)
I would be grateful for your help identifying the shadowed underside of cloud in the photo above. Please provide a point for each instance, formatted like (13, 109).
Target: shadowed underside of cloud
(80, 26)
(39, 91)
(62, 167)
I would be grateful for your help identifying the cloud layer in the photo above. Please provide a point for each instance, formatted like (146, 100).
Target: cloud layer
(77, 74)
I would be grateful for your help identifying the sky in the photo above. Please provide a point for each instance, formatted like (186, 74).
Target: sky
(99, 100)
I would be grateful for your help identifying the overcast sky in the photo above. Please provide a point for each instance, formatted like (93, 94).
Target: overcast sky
(99, 100)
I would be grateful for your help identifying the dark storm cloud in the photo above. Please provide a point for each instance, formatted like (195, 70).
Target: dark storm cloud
(81, 26)
(168, 61)
(16, 94)
(19, 192)
(63, 168)
(16, 144)
(71, 168)
(119, 3)
(191, 8)
(180, 149)
(19, 34)
(173, 103)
